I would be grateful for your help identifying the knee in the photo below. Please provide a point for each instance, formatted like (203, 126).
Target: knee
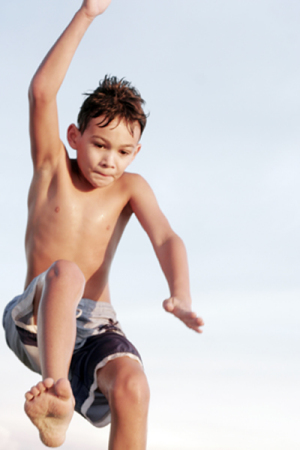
(66, 271)
(130, 389)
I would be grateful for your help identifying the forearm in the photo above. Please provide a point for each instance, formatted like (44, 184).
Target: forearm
(50, 74)
(172, 257)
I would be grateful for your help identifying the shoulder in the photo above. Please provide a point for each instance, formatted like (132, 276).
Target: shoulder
(134, 182)
(140, 193)
(138, 189)
(144, 205)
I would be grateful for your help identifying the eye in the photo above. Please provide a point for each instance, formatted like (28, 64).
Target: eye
(124, 152)
(98, 145)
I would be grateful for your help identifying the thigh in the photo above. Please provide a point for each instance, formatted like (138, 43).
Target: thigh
(20, 328)
(97, 352)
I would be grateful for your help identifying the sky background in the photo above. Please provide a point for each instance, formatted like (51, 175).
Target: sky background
(221, 151)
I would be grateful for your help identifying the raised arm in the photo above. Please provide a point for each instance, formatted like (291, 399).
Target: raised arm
(46, 146)
(170, 251)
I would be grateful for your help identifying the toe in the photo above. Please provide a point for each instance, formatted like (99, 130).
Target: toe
(34, 391)
(63, 388)
(48, 383)
(29, 396)
(41, 387)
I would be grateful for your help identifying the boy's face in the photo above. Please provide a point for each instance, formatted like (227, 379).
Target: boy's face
(103, 154)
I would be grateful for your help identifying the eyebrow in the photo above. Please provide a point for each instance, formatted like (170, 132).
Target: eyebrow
(94, 136)
(128, 145)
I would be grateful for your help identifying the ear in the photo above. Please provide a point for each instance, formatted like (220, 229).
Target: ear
(72, 135)
(136, 151)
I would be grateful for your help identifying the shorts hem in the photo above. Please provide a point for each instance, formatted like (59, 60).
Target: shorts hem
(90, 399)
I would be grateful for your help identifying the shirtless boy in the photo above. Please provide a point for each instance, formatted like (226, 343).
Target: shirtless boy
(78, 210)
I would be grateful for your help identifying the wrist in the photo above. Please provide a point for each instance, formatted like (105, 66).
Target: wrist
(183, 297)
(84, 14)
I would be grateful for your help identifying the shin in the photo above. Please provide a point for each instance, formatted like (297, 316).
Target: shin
(56, 320)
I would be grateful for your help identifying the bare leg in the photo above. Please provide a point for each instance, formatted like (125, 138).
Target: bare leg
(50, 404)
(124, 384)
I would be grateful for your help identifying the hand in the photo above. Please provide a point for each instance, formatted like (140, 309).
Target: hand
(93, 8)
(182, 310)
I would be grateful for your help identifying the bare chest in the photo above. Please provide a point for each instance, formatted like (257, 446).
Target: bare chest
(85, 227)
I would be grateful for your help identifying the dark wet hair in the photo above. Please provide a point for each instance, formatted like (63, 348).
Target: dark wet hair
(113, 98)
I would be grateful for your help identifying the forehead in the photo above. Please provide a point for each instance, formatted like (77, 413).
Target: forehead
(118, 127)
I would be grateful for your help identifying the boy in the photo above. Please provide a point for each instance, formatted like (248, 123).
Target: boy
(63, 325)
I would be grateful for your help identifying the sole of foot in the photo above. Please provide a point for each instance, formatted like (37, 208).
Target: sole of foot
(50, 406)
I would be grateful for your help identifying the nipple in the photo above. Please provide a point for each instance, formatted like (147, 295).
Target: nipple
(57, 209)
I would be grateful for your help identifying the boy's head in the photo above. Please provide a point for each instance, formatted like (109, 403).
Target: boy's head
(112, 99)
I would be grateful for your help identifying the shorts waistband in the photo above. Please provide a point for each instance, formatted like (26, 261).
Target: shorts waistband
(93, 318)
(89, 307)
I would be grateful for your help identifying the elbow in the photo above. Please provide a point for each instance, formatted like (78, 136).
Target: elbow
(170, 239)
(37, 90)
(34, 93)
(31, 92)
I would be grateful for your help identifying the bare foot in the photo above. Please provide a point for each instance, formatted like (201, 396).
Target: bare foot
(50, 407)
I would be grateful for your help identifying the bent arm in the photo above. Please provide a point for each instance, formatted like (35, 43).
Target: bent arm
(44, 131)
(171, 254)
(170, 251)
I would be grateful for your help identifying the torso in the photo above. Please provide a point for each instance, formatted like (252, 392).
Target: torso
(69, 220)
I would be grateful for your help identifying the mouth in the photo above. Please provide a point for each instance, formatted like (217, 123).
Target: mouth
(105, 175)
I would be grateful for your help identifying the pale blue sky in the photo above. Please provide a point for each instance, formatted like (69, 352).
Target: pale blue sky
(221, 151)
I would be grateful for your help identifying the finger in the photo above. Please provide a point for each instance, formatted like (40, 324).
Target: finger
(190, 319)
(183, 314)
(194, 326)
(195, 321)
(189, 316)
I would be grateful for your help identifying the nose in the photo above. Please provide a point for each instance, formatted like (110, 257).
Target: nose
(107, 159)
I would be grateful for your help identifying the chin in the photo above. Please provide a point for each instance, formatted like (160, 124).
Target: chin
(100, 184)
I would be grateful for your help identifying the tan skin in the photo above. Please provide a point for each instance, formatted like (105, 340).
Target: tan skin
(78, 210)
(71, 219)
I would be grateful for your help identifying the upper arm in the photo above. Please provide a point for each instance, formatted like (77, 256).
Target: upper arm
(144, 204)
(46, 146)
